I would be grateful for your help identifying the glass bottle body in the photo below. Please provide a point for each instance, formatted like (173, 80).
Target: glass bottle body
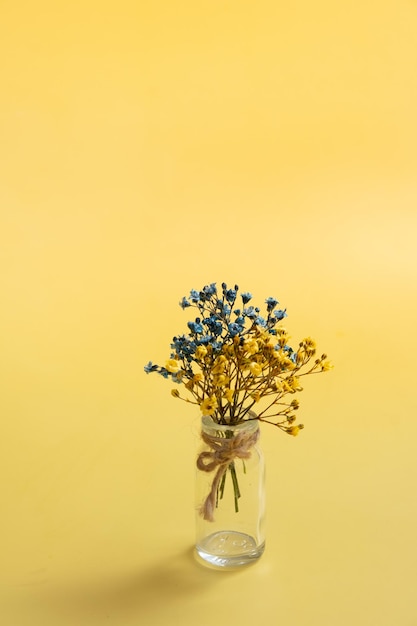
(230, 494)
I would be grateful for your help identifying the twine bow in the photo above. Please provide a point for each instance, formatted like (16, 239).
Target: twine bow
(223, 452)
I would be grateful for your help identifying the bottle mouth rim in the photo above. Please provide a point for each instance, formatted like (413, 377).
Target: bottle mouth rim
(251, 424)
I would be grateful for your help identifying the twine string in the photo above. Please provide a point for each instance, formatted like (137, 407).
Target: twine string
(222, 452)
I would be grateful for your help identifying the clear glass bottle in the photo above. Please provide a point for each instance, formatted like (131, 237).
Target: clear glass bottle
(230, 494)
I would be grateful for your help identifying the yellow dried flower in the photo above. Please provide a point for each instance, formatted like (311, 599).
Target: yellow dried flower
(286, 387)
(208, 405)
(251, 346)
(255, 368)
(282, 337)
(219, 365)
(309, 346)
(228, 394)
(172, 366)
(283, 360)
(220, 379)
(277, 386)
(294, 383)
(300, 356)
(294, 430)
(256, 395)
(326, 366)
(229, 350)
(200, 352)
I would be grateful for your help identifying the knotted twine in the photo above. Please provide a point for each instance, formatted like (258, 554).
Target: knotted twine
(223, 452)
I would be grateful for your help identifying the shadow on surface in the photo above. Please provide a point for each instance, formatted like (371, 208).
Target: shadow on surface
(151, 592)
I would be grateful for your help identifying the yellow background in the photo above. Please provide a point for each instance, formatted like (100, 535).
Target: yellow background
(151, 147)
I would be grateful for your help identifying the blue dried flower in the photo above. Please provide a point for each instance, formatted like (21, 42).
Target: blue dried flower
(223, 307)
(184, 347)
(209, 290)
(235, 329)
(250, 312)
(196, 327)
(280, 314)
(205, 340)
(230, 295)
(195, 296)
(271, 304)
(213, 324)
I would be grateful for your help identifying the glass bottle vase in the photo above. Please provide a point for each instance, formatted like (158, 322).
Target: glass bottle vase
(230, 494)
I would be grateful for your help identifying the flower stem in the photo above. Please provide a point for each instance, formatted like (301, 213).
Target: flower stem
(221, 487)
(235, 485)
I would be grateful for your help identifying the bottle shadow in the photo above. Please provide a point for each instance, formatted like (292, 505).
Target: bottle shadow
(144, 594)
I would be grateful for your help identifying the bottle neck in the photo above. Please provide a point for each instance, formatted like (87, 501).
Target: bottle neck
(213, 429)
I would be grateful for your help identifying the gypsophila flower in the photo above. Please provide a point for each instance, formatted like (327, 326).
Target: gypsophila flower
(172, 366)
(214, 325)
(230, 295)
(232, 358)
(209, 405)
(250, 312)
(246, 297)
(235, 329)
(184, 303)
(271, 303)
(196, 326)
(280, 314)
(194, 295)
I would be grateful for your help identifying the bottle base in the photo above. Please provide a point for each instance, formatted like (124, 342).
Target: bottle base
(229, 549)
